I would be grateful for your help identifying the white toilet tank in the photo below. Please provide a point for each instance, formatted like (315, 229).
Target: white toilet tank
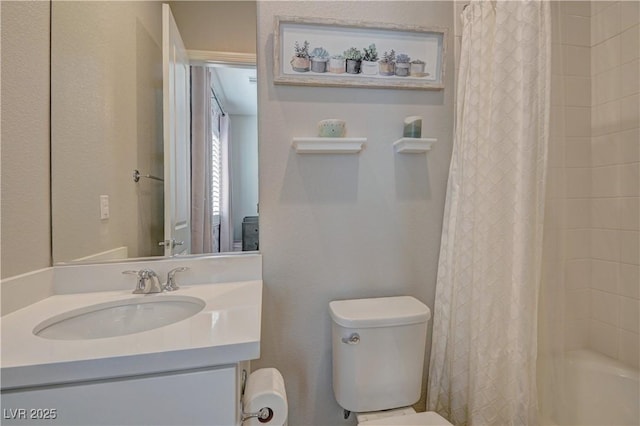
(378, 351)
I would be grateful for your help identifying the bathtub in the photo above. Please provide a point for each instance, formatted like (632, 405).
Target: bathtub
(598, 390)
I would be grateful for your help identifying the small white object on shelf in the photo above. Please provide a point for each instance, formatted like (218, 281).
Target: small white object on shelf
(332, 127)
(413, 145)
(319, 145)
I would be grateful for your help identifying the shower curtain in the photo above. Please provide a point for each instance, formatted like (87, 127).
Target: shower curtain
(202, 224)
(226, 215)
(206, 120)
(483, 358)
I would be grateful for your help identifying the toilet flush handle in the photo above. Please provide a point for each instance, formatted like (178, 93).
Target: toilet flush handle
(354, 339)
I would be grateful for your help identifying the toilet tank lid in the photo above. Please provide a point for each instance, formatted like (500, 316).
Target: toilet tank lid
(379, 312)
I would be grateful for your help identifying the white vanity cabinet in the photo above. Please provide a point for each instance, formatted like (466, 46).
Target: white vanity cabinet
(205, 396)
(186, 372)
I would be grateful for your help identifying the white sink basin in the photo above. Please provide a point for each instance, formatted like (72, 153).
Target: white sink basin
(119, 318)
(226, 330)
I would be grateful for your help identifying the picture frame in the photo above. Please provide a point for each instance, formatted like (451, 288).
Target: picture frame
(308, 51)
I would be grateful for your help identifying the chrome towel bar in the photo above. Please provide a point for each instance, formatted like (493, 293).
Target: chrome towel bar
(137, 176)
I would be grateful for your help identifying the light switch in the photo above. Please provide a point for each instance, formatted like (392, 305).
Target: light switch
(104, 207)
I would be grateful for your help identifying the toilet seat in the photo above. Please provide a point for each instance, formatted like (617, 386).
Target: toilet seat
(429, 418)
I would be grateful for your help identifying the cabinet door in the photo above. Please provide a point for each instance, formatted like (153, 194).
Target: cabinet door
(197, 397)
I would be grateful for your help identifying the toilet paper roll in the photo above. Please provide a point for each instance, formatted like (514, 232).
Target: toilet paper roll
(265, 388)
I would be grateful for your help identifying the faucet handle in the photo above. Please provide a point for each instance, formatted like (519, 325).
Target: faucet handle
(140, 284)
(171, 278)
(145, 276)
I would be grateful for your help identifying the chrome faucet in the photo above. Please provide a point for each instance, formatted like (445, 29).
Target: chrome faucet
(148, 281)
(171, 285)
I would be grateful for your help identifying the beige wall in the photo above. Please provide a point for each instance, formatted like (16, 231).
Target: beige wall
(226, 26)
(106, 122)
(25, 231)
(343, 226)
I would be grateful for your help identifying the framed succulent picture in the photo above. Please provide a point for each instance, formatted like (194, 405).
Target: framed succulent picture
(331, 52)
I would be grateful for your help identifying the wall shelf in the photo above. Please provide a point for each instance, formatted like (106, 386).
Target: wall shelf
(317, 145)
(413, 145)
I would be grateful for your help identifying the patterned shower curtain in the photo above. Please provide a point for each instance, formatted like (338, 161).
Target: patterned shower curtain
(202, 224)
(483, 358)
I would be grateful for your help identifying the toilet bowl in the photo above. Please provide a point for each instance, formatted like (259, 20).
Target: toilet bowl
(401, 417)
(378, 356)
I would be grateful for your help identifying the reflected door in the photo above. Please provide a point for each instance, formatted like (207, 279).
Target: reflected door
(177, 193)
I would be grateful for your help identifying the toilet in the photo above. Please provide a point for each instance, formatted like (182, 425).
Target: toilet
(378, 353)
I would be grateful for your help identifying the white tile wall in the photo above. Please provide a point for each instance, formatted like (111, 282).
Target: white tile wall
(630, 14)
(605, 244)
(595, 169)
(578, 8)
(628, 347)
(576, 334)
(629, 210)
(629, 314)
(578, 213)
(578, 274)
(604, 307)
(604, 275)
(578, 243)
(604, 181)
(629, 277)
(577, 152)
(615, 179)
(605, 213)
(579, 182)
(629, 45)
(576, 30)
(577, 60)
(603, 338)
(569, 183)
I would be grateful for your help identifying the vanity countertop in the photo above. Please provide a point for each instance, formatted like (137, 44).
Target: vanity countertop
(226, 331)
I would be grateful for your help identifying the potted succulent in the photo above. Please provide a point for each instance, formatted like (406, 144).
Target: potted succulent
(402, 65)
(354, 59)
(388, 63)
(300, 61)
(417, 68)
(336, 64)
(319, 59)
(370, 60)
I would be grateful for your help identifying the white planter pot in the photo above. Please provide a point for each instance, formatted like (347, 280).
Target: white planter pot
(417, 70)
(319, 65)
(369, 67)
(300, 64)
(337, 66)
(402, 69)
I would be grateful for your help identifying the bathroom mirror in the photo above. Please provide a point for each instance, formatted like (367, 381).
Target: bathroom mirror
(107, 123)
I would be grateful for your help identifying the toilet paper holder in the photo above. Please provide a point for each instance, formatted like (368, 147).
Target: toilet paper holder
(264, 415)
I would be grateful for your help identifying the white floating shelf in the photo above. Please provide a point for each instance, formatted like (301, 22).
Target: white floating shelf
(413, 145)
(317, 145)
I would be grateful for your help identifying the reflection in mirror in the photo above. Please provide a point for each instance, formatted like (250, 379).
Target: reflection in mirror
(106, 122)
(224, 159)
